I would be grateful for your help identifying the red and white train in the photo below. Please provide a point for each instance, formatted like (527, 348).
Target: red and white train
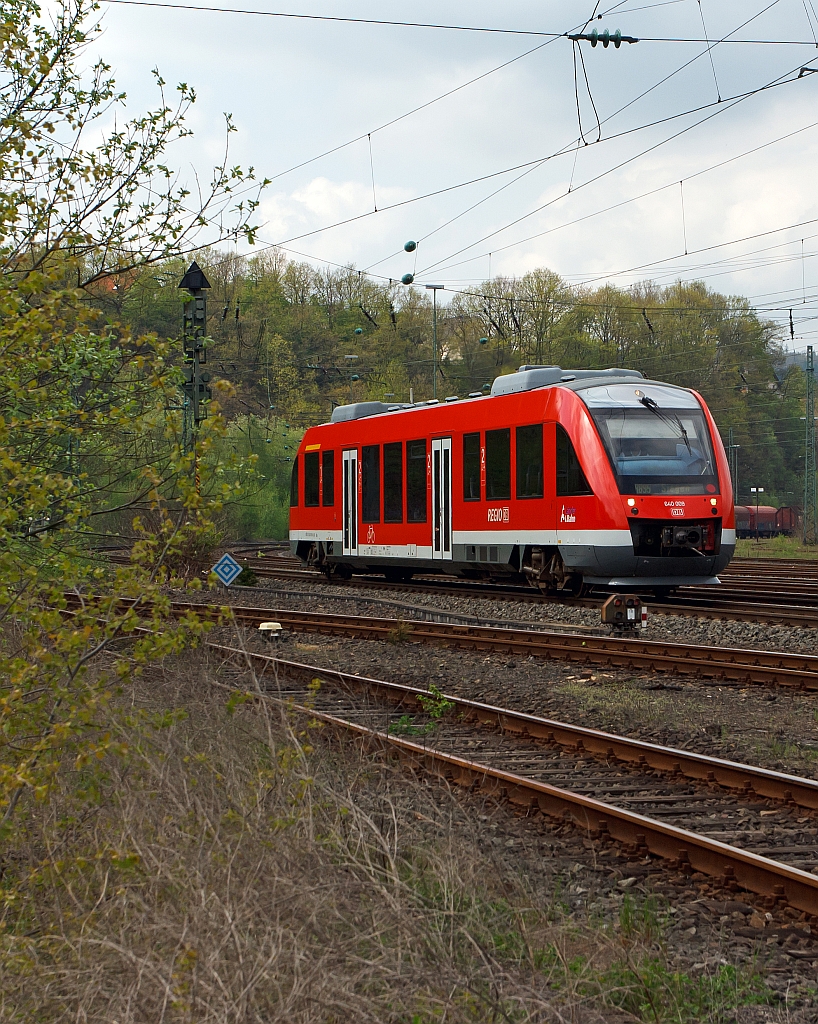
(569, 478)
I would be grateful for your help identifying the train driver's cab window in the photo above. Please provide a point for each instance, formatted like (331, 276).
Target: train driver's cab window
(294, 484)
(570, 478)
(393, 482)
(498, 463)
(529, 461)
(371, 483)
(416, 481)
(471, 467)
(311, 479)
(328, 478)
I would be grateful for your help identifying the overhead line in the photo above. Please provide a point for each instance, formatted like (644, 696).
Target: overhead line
(726, 104)
(634, 199)
(436, 25)
(610, 117)
(401, 117)
(696, 252)
(632, 101)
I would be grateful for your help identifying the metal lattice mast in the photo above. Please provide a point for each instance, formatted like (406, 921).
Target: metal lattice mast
(810, 482)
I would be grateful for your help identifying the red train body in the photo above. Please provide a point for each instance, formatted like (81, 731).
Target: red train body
(566, 477)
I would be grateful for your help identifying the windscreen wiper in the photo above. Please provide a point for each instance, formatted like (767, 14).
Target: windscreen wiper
(671, 419)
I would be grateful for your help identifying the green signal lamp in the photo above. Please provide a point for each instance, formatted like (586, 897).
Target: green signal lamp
(484, 341)
(354, 377)
(407, 279)
(410, 246)
(359, 330)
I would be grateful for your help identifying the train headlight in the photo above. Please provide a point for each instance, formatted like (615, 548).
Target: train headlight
(631, 502)
(714, 501)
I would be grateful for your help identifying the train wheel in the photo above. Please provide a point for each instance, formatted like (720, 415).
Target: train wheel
(314, 556)
(575, 587)
(339, 572)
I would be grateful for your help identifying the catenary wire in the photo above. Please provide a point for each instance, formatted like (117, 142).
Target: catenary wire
(727, 104)
(633, 199)
(576, 142)
(435, 25)
(656, 85)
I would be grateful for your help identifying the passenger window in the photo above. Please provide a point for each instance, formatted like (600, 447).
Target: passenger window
(393, 483)
(416, 481)
(471, 467)
(311, 479)
(328, 479)
(529, 461)
(294, 484)
(570, 478)
(371, 483)
(498, 463)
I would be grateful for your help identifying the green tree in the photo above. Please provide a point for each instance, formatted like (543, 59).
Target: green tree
(90, 427)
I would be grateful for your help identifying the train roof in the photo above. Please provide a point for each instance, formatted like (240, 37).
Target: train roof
(527, 378)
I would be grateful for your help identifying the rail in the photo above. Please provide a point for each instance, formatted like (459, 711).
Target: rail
(687, 851)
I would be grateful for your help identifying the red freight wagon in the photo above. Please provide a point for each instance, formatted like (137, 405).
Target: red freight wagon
(788, 520)
(742, 514)
(565, 477)
(761, 521)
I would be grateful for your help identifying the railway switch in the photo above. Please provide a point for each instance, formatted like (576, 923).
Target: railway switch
(624, 612)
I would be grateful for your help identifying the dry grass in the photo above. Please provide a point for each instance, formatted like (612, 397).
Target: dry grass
(238, 866)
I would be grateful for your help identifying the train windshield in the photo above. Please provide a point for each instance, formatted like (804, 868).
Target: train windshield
(656, 450)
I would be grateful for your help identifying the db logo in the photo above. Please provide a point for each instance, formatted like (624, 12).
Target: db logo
(370, 535)
(677, 511)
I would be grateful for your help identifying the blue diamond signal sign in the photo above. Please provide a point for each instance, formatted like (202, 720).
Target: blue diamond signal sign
(227, 569)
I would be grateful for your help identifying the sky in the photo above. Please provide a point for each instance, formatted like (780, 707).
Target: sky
(682, 162)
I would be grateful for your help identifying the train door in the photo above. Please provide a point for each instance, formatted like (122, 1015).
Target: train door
(350, 487)
(442, 498)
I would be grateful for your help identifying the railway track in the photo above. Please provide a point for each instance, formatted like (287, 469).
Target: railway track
(744, 826)
(772, 602)
(726, 665)
(781, 593)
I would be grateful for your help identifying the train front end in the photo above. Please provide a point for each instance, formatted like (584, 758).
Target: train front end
(674, 501)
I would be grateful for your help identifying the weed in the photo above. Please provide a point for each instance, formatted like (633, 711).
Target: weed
(405, 726)
(775, 547)
(641, 920)
(400, 633)
(652, 991)
(435, 705)
(247, 577)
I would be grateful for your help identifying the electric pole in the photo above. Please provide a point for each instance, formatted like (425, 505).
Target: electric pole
(732, 452)
(434, 289)
(197, 393)
(810, 483)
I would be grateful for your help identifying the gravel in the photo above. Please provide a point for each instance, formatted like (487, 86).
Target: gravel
(673, 628)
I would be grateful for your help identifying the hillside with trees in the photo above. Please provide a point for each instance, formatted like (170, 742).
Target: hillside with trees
(294, 341)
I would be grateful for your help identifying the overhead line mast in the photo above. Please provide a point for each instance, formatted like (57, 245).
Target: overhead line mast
(810, 480)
